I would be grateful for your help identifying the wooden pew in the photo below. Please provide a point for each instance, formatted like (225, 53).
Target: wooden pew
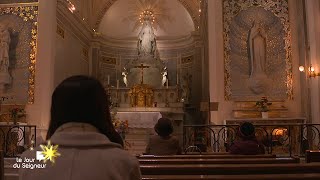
(307, 176)
(312, 156)
(221, 161)
(1, 165)
(223, 156)
(229, 169)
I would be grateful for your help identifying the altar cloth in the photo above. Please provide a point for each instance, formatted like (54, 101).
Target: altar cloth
(140, 119)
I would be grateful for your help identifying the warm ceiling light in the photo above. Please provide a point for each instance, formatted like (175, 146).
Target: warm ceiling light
(312, 69)
(301, 68)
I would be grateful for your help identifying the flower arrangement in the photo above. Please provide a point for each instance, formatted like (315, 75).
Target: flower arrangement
(263, 104)
(121, 127)
(17, 113)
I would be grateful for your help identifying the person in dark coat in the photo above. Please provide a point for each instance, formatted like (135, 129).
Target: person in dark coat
(247, 143)
(163, 143)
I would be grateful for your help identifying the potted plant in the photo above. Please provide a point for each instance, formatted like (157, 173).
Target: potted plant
(263, 106)
(16, 113)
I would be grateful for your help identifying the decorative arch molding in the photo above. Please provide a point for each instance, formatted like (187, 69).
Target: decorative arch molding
(185, 3)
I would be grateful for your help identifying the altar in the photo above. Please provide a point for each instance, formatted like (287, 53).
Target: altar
(140, 119)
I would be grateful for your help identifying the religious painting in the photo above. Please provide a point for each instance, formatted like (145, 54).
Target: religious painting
(257, 50)
(18, 37)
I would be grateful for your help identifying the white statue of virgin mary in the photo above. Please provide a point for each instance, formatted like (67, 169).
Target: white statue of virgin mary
(257, 45)
(147, 40)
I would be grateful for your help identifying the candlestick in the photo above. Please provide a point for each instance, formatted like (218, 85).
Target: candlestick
(117, 84)
(108, 79)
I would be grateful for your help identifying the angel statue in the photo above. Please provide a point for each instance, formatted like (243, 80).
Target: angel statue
(124, 74)
(164, 76)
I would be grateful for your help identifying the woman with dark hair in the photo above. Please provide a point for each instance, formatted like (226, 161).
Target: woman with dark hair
(247, 143)
(81, 126)
(163, 143)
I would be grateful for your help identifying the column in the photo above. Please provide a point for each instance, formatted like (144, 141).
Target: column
(39, 112)
(94, 63)
(313, 31)
(216, 62)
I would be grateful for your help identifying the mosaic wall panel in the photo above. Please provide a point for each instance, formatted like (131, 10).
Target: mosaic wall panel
(257, 50)
(21, 22)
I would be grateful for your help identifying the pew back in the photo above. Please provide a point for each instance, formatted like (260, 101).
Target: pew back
(307, 176)
(229, 169)
(312, 156)
(222, 156)
(221, 161)
(1, 166)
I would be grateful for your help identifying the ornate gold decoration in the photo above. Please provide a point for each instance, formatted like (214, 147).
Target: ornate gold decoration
(151, 10)
(109, 60)
(29, 13)
(187, 60)
(231, 8)
(141, 95)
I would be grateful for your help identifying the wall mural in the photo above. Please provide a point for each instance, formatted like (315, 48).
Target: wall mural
(18, 34)
(257, 50)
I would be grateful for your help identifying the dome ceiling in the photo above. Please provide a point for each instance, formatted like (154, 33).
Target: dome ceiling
(115, 23)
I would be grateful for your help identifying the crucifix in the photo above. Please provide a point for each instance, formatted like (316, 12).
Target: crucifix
(142, 67)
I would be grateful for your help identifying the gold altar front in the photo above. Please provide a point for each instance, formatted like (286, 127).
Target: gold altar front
(141, 95)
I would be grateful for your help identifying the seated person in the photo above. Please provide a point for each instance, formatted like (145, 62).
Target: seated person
(163, 143)
(247, 143)
(88, 144)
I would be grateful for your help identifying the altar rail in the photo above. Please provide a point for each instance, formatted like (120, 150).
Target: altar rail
(14, 139)
(280, 139)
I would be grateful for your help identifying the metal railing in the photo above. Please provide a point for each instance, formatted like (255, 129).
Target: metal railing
(280, 139)
(14, 139)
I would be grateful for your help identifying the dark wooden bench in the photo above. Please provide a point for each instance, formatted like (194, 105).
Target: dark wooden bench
(312, 156)
(307, 176)
(222, 156)
(229, 169)
(1, 166)
(221, 161)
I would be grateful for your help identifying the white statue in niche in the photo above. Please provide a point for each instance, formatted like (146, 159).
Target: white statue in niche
(147, 40)
(257, 52)
(5, 40)
(125, 74)
(164, 76)
(257, 45)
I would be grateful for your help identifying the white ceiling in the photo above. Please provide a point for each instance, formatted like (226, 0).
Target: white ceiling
(114, 26)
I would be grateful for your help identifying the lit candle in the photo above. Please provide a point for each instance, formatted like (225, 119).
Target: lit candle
(117, 84)
(167, 83)
(108, 79)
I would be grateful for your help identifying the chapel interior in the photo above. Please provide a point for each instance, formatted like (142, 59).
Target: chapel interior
(208, 65)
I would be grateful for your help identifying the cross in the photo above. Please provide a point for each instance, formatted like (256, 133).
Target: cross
(142, 67)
